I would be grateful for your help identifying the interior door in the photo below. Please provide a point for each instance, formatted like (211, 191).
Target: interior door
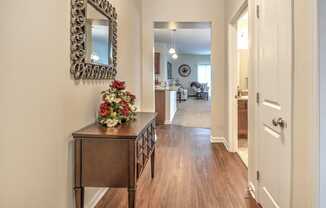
(275, 92)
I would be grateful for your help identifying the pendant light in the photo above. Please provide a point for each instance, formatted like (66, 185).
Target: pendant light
(173, 50)
(172, 42)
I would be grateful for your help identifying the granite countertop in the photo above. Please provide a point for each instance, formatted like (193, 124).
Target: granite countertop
(173, 88)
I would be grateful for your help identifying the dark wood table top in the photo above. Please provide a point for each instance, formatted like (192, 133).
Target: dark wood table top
(128, 130)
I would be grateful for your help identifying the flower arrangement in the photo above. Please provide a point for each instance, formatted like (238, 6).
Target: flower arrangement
(117, 106)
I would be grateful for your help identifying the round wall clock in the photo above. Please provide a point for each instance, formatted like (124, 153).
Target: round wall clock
(184, 70)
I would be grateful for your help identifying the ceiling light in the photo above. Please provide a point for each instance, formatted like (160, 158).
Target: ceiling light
(172, 51)
(175, 56)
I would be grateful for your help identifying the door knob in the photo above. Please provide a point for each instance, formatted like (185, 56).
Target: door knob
(279, 122)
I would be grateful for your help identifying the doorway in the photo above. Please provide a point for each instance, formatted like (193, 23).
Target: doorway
(270, 104)
(242, 85)
(238, 84)
(183, 73)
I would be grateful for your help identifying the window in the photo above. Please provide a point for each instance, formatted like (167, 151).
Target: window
(204, 75)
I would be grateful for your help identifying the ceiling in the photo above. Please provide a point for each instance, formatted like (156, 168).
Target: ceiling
(188, 41)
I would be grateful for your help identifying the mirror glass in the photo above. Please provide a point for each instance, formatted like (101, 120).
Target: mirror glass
(99, 37)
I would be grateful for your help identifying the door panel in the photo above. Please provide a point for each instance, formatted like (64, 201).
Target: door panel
(275, 87)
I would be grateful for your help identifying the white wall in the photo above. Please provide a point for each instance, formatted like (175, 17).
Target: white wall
(192, 10)
(192, 61)
(41, 105)
(243, 58)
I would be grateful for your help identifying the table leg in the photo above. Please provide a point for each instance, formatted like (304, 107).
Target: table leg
(153, 163)
(131, 197)
(79, 197)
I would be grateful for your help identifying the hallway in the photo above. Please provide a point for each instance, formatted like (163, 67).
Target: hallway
(190, 173)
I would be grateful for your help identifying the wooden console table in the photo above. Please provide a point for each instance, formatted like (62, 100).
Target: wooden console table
(114, 157)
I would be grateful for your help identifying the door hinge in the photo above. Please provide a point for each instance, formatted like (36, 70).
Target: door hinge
(257, 97)
(258, 175)
(258, 11)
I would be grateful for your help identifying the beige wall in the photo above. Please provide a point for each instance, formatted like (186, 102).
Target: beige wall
(305, 106)
(188, 11)
(41, 105)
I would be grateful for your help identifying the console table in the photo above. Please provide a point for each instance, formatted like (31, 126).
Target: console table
(114, 157)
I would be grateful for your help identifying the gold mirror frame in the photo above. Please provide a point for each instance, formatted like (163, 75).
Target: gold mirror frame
(79, 68)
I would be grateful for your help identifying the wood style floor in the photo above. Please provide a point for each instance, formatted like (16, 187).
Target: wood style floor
(190, 173)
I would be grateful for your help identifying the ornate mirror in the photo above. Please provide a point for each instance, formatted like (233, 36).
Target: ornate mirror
(93, 40)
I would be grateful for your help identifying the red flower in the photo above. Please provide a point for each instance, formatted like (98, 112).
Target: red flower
(123, 103)
(125, 111)
(104, 110)
(132, 97)
(118, 85)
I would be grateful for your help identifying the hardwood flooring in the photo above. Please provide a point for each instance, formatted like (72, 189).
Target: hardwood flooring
(190, 173)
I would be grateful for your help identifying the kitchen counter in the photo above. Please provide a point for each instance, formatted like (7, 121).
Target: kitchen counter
(174, 88)
(165, 104)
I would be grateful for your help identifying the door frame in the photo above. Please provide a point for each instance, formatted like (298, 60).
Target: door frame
(250, 5)
(233, 77)
(316, 94)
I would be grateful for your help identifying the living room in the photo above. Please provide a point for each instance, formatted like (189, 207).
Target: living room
(183, 74)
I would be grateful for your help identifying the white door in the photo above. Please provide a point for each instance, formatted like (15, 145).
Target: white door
(274, 85)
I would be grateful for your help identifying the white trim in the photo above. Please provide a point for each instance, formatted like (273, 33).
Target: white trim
(253, 111)
(252, 87)
(233, 76)
(221, 140)
(252, 190)
(167, 122)
(97, 197)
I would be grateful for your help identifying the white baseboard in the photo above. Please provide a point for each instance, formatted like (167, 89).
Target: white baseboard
(97, 197)
(167, 122)
(252, 190)
(221, 140)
